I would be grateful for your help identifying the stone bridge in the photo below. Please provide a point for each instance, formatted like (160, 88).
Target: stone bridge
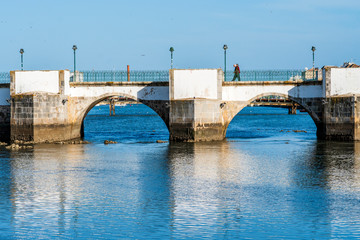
(196, 105)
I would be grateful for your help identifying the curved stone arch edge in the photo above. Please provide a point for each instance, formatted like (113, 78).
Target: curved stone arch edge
(242, 104)
(91, 102)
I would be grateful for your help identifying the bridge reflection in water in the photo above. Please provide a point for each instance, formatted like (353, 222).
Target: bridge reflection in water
(179, 190)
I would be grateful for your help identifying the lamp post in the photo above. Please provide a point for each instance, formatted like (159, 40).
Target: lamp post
(22, 59)
(313, 50)
(171, 50)
(225, 47)
(74, 48)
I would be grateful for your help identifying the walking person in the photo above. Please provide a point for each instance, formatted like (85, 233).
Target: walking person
(236, 72)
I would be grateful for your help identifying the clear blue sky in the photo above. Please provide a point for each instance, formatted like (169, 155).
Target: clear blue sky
(110, 34)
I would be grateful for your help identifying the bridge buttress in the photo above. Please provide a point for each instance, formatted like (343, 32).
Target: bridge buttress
(42, 117)
(341, 118)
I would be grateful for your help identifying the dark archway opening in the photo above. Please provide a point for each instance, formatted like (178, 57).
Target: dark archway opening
(277, 118)
(131, 122)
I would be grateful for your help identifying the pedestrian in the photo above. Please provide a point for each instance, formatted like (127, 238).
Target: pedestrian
(236, 72)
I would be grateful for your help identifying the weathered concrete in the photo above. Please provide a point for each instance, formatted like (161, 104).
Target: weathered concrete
(341, 118)
(341, 110)
(197, 120)
(195, 112)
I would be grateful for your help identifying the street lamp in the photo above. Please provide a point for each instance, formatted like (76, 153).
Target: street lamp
(74, 48)
(171, 50)
(225, 47)
(313, 50)
(22, 60)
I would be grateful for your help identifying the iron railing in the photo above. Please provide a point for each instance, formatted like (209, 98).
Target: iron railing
(271, 75)
(163, 76)
(4, 77)
(120, 76)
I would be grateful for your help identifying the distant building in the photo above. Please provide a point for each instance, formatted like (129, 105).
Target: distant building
(311, 74)
(350, 65)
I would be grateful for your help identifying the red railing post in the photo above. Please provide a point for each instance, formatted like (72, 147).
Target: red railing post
(128, 73)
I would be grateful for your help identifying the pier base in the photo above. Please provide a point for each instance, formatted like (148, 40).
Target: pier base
(41, 117)
(198, 120)
(341, 118)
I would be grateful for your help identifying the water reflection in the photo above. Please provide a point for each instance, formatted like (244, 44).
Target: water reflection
(43, 183)
(223, 189)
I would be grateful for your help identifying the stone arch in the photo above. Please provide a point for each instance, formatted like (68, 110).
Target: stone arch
(299, 101)
(313, 110)
(158, 106)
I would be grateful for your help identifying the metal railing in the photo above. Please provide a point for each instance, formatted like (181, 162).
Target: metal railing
(271, 75)
(163, 76)
(120, 76)
(4, 77)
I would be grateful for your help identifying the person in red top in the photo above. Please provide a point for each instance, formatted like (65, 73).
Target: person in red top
(236, 72)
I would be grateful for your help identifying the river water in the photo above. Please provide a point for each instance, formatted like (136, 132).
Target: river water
(265, 181)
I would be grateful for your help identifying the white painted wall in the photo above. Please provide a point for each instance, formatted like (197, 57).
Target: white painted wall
(66, 82)
(136, 92)
(246, 93)
(345, 81)
(4, 95)
(198, 83)
(36, 81)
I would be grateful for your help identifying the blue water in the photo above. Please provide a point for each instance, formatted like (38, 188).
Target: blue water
(264, 182)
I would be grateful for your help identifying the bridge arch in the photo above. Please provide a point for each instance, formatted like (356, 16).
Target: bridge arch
(161, 108)
(301, 102)
(309, 105)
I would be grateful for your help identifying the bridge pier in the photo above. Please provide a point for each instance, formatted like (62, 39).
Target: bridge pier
(40, 110)
(42, 117)
(292, 109)
(196, 120)
(196, 106)
(341, 118)
(341, 106)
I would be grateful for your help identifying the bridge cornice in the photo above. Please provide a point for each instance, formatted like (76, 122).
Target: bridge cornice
(104, 84)
(267, 83)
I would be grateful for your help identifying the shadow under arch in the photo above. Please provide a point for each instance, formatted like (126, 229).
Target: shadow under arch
(309, 109)
(157, 106)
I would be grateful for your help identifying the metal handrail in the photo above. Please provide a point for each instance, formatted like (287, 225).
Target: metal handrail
(163, 76)
(272, 75)
(121, 76)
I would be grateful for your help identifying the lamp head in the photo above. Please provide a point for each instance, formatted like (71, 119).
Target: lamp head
(74, 47)
(22, 51)
(225, 47)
